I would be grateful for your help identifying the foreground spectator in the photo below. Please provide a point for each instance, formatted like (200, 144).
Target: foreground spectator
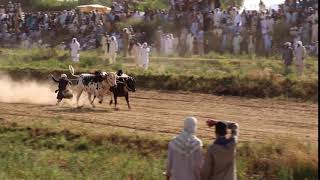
(184, 154)
(287, 56)
(220, 159)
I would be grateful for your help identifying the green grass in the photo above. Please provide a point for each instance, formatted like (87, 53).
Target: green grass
(35, 153)
(61, 156)
(226, 74)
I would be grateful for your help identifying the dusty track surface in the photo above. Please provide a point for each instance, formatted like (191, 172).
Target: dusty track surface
(163, 113)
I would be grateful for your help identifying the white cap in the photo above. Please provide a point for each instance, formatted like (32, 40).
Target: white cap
(63, 76)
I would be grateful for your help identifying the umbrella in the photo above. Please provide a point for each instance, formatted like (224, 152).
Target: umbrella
(94, 7)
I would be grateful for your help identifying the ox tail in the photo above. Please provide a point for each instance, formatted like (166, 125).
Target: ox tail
(71, 69)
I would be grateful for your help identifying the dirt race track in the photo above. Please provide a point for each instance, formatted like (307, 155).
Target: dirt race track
(163, 113)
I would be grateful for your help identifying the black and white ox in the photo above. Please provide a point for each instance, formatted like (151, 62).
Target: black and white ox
(86, 82)
(124, 85)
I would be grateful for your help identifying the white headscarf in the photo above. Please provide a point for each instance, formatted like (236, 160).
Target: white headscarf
(145, 45)
(75, 43)
(299, 43)
(186, 143)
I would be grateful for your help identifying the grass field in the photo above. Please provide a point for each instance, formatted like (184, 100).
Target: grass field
(40, 149)
(41, 153)
(214, 73)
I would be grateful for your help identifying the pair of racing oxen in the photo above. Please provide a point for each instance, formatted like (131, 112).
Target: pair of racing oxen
(104, 84)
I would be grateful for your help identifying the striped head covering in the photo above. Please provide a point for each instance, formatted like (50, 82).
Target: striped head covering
(186, 142)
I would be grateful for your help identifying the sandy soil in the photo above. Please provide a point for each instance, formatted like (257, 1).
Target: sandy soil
(163, 113)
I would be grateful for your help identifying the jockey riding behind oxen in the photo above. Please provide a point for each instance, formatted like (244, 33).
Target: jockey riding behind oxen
(97, 84)
(125, 84)
(63, 91)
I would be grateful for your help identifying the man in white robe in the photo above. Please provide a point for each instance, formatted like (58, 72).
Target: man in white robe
(194, 27)
(300, 53)
(144, 54)
(237, 19)
(167, 45)
(183, 41)
(136, 54)
(314, 32)
(236, 43)
(184, 154)
(251, 44)
(75, 48)
(200, 42)
(190, 40)
(113, 50)
(106, 47)
(163, 44)
(170, 44)
(270, 24)
(103, 42)
(174, 43)
(217, 17)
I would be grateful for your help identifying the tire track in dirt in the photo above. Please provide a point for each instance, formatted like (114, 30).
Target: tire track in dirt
(163, 113)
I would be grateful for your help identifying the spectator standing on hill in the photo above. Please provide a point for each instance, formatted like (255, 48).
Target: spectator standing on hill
(300, 53)
(75, 49)
(189, 42)
(200, 42)
(126, 37)
(113, 50)
(136, 53)
(287, 56)
(251, 44)
(220, 158)
(236, 43)
(184, 154)
(314, 33)
(144, 55)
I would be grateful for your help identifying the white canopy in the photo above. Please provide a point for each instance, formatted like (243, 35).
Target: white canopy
(94, 7)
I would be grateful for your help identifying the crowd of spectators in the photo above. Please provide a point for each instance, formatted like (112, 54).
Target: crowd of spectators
(199, 26)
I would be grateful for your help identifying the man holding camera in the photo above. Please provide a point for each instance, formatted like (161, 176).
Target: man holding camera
(220, 158)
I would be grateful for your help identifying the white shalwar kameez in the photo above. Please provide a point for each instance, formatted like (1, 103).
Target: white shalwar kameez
(190, 40)
(314, 34)
(251, 45)
(300, 53)
(75, 48)
(163, 44)
(136, 54)
(144, 51)
(167, 45)
(113, 50)
(236, 44)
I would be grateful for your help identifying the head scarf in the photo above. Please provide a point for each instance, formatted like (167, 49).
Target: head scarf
(75, 43)
(186, 142)
(145, 45)
(299, 43)
(63, 76)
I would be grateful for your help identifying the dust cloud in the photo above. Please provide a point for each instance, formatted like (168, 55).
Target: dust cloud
(26, 91)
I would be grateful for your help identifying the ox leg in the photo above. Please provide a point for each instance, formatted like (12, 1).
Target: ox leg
(115, 103)
(127, 99)
(111, 100)
(100, 100)
(89, 98)
(94, 97)
(78, 96)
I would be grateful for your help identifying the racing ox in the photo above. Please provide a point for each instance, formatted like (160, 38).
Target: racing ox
(97, 85)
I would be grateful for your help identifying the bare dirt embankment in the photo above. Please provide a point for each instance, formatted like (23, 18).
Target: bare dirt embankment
(159, 112)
